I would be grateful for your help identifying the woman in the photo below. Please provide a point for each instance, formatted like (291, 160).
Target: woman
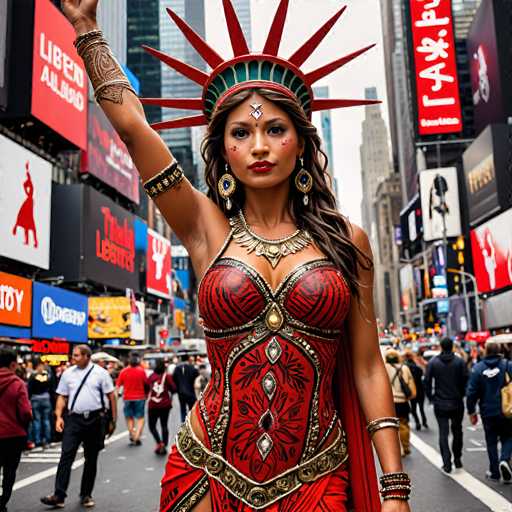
(161, 387)
(286, 286)
(404, 390)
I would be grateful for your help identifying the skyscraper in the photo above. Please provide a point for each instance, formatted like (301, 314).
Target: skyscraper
(176, 85)
(112, 18)
(243, 11)
(143, 28)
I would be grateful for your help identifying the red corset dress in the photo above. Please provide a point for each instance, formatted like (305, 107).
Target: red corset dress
(272, 436)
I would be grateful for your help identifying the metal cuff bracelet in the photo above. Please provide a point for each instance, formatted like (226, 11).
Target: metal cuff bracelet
(164, 180)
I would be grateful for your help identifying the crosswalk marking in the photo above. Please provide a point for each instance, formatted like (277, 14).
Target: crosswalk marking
(490, 498)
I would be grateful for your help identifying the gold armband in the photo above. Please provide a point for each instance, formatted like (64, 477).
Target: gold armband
(379, 423)
(170, 177)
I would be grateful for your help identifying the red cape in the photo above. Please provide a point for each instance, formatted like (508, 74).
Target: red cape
(363, 477)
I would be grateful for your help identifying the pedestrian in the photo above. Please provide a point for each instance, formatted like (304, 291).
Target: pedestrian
(485, 383)
(417, 403)
(445, 384)
(40, 389)
(135, 386)
(84, 393)
(161, 387)
(201, 381)
(184, 377)
(15, 415)
(404, 389)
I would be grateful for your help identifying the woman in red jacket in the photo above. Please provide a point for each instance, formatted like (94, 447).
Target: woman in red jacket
(161, 386)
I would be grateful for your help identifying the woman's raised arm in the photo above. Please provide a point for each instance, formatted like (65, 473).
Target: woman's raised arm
(189, 213)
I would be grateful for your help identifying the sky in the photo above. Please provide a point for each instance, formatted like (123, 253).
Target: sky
(358, 27)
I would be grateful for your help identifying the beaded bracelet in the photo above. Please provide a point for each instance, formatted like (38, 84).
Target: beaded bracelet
(395, 486)
(164, 180)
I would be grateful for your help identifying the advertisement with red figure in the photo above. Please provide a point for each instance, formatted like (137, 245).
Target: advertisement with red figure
(158, 273)
(59, 81)
(491, 244)
(107, 157)
(25, 203)
(437, 87)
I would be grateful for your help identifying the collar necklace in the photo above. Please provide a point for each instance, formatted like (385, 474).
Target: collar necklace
(272, 250)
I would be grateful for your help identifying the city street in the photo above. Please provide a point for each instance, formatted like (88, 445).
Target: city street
(128, 477)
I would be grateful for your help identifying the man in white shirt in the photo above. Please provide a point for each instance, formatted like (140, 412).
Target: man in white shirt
(86, 390)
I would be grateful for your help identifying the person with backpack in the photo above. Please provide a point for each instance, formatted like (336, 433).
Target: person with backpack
(85, 390)
(161, 388)
(15, 416)
(486, 382)
(445, 385)
(404, 390)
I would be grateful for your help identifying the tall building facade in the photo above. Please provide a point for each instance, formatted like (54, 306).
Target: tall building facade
(243, 11)
(144, 28)
(375, 160)
(113, 20)
(175, 85)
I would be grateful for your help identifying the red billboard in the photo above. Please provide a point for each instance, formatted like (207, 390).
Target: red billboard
(158, 274)
(437, 87)
(107, 157)
(59, 81)
(491, 244)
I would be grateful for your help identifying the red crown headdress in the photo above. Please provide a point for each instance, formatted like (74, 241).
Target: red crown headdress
(249, 70)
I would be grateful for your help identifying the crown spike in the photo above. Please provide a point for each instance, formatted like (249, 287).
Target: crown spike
(238, 42)
(211, 57)
(316, 75)
(182, 122)
(305, 51)
(276, 31)
(196, 75)
(327, 104)
(184, 103)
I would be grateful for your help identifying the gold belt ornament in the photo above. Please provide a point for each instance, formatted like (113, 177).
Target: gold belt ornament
(259, 494)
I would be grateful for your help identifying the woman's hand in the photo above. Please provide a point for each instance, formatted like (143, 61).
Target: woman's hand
(395, 506)
(81, 14)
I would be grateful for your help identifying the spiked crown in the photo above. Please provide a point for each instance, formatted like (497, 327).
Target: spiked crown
(248, 70)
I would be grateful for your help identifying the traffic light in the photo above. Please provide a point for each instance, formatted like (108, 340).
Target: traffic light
(456, 261)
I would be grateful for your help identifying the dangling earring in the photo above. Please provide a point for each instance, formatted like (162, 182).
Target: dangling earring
(304, 182)
(227, 187)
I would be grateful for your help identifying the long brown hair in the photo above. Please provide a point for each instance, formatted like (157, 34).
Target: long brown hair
(330, 230)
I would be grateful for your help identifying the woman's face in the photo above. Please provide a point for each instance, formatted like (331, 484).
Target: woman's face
(261, 150)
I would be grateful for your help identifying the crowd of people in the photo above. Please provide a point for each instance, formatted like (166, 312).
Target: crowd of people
(454, 382)
(77, 404)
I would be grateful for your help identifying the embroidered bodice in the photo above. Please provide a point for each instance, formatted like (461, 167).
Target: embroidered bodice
(269, 404)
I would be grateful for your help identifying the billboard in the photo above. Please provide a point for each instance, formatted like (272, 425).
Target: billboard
(25, 203)
(58, 313)
(109, 317)
(486, 67)
(407, 287)
(59, 81)
(491, 245)
(437, 87)
(15, 300)
(158, 265)
(439, 192)
(107, 157)
(5, 29)
(109, 242)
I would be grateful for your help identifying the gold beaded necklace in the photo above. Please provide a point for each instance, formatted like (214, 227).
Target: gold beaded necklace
(272, 250)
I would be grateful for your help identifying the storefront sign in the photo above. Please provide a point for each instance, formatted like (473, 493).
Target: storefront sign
(440, 198)
(109, 317)
(50, 347)
(437, 87)
(25, 202)
(491, 244)
(109, 250)
(59, 83)
(498, 313)
(15, 300)
(58, 313)
(107, 157)
(158, 267)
